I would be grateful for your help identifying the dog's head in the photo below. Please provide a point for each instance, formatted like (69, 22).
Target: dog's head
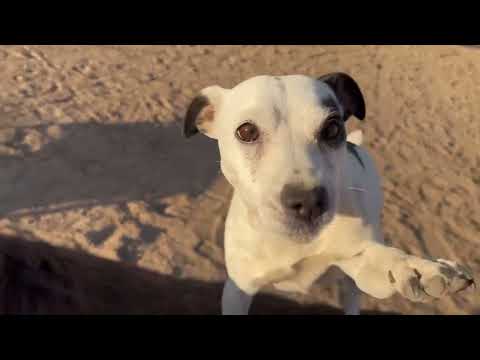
(282, 144)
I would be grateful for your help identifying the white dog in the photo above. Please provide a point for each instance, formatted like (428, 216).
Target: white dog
(306, 197)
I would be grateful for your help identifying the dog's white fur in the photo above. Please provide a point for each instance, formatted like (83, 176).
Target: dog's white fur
(260, 248)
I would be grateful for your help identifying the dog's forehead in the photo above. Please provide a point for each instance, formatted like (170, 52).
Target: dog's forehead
(286, 93)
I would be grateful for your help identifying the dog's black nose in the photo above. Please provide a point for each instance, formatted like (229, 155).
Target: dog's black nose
(305, 205)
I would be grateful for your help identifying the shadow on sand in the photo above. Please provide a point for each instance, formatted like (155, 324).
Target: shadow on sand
(36, 278)
(91, 164)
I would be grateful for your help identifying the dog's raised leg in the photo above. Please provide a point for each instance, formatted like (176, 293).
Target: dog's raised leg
(380, 271)
(234, 300)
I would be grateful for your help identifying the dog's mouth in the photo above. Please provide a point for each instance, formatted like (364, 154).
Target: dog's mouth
(307, 228)
(300, 230)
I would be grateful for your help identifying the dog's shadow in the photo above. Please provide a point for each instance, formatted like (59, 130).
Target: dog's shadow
(88, 164)
(38, 278)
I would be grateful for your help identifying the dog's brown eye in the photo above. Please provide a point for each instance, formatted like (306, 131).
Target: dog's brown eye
(248, 133)
(333, 132)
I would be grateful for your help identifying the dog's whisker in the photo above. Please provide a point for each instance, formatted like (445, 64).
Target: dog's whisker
(356, 189)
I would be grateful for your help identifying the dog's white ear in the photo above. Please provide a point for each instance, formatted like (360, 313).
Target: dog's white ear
(348, 94)
(202, 111)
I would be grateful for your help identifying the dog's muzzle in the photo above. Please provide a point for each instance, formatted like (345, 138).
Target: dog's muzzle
(305, 205)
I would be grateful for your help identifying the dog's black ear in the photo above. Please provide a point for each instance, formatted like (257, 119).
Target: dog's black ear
(201, 112)
(196, 107)
(348, 94)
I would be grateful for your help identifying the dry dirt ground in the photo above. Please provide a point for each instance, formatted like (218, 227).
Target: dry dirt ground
(118, 213)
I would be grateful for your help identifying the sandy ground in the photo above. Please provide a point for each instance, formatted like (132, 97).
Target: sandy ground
(92, 162)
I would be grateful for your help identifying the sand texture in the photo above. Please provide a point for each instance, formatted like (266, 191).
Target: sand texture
(115, 212)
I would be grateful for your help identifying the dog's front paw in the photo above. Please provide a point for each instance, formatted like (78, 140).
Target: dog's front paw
(421, 280)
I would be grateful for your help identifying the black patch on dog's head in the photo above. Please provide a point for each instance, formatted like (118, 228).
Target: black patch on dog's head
(331, 104)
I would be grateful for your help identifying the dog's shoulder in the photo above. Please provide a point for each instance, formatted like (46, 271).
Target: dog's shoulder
(354, 140)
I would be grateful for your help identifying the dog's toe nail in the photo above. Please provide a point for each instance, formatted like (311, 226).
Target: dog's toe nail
(460, 283)
(467, 284)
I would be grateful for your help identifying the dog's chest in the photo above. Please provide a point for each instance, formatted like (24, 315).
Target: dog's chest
(254, 258)
(257, 252)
